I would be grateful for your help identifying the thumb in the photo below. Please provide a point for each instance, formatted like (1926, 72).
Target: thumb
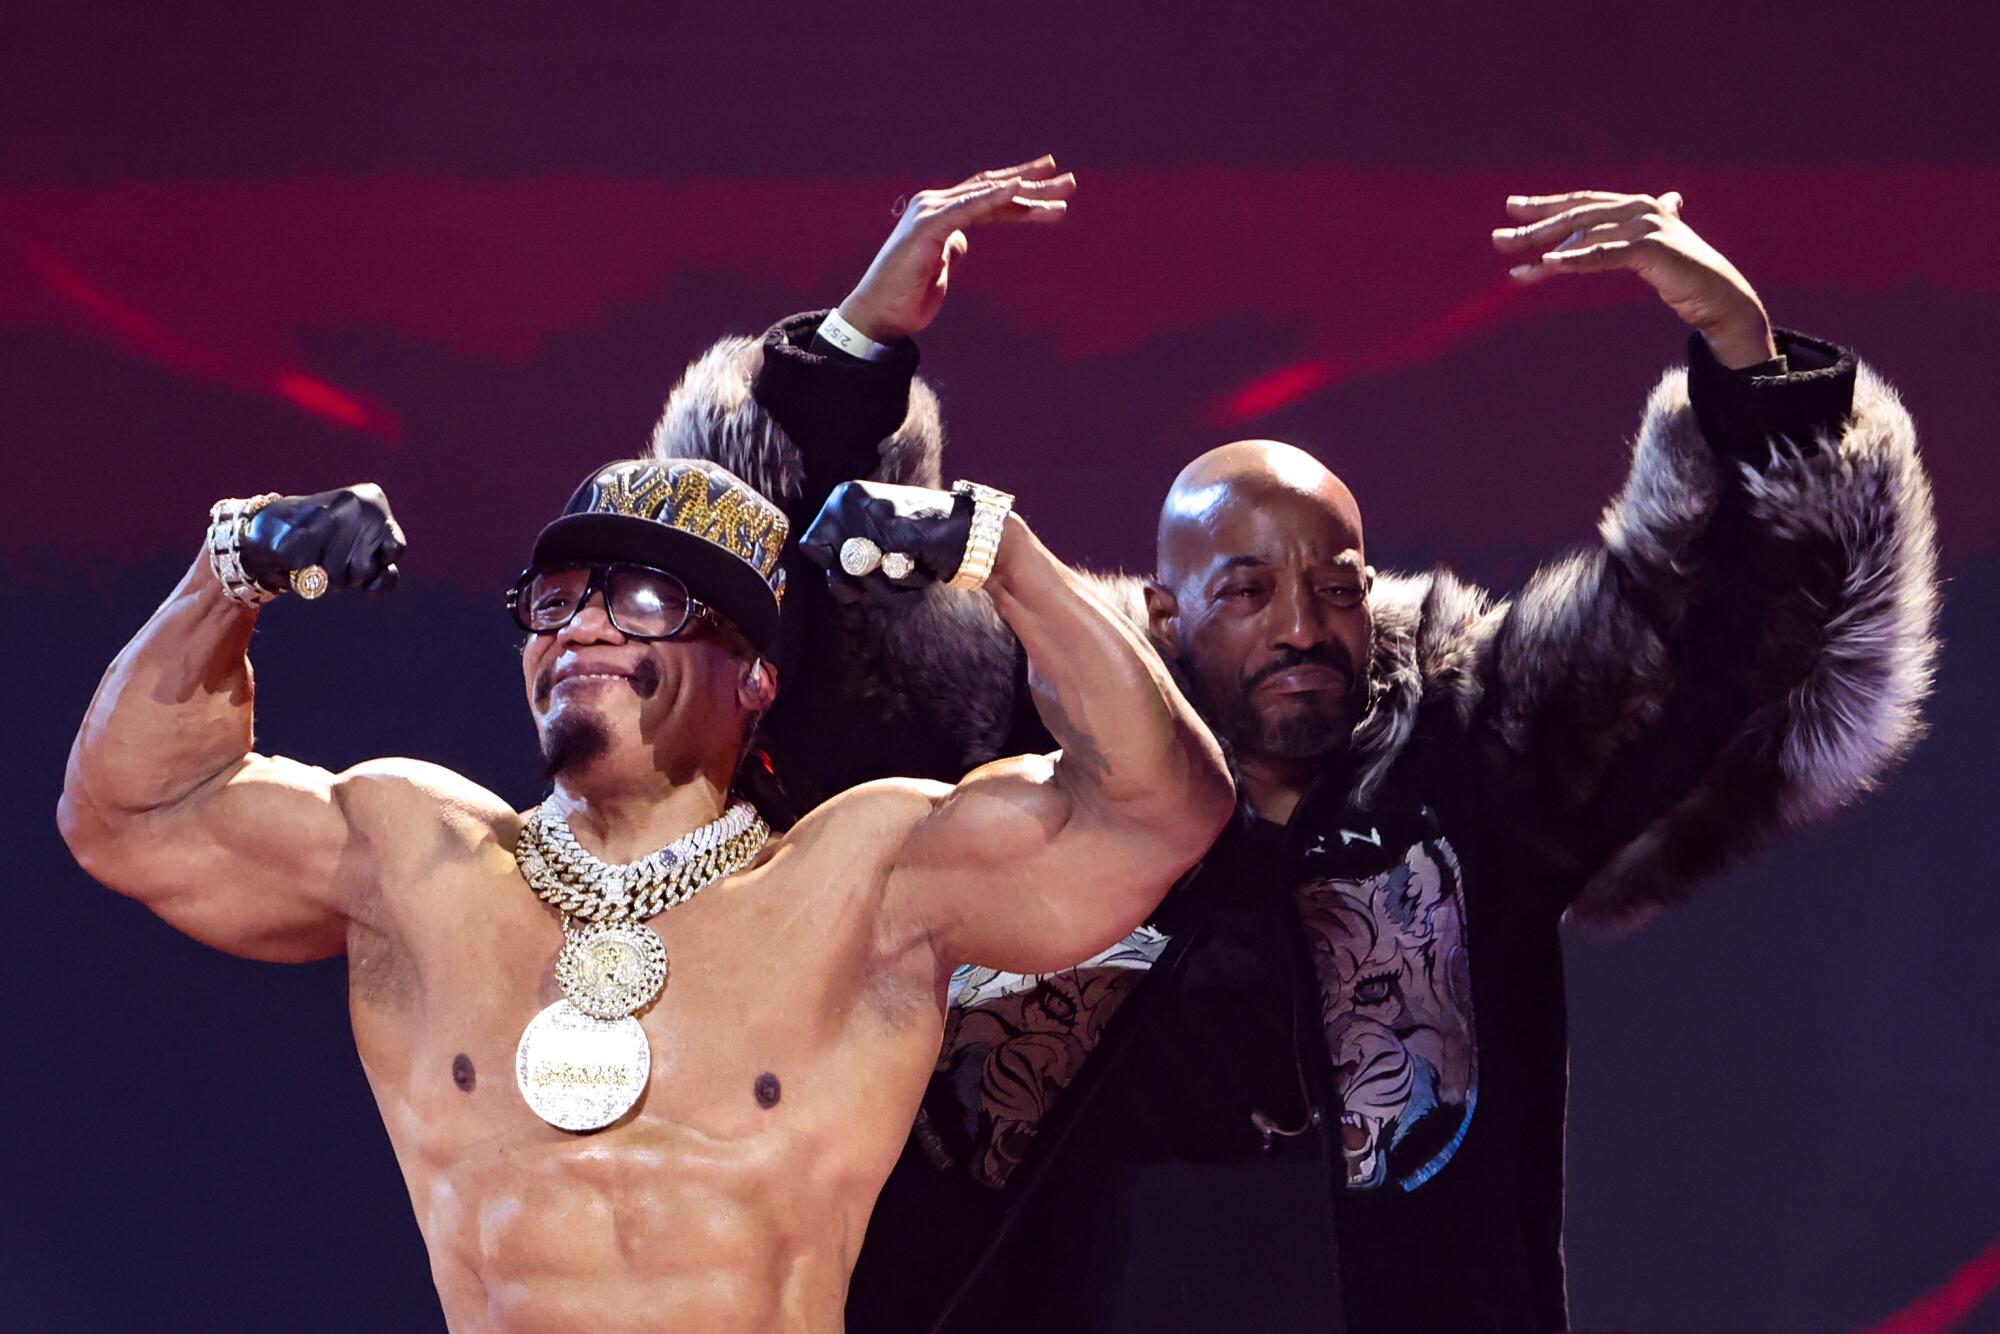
(955, 247)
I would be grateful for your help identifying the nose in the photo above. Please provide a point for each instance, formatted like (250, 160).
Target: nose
(1298, 619)
(591, 624)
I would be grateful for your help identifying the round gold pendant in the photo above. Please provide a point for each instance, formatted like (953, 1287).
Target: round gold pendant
(611, 969)
(580, 1073)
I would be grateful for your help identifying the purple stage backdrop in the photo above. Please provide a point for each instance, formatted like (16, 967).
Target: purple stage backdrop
(464, 253)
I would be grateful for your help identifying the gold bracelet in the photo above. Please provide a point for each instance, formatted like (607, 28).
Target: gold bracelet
(982, 542)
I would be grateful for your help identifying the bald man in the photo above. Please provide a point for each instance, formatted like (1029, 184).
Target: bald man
(1324, 1087)
(1244, 526)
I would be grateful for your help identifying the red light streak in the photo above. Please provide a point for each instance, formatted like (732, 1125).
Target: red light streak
(141, 333)
(1947, 1305)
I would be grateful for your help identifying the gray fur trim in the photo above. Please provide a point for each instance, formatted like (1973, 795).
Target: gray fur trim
(1856, 712)
(1428, 632)
(1831, 729)
(1672, 487)
(914, 455)
(711, 414)
(1835, 724)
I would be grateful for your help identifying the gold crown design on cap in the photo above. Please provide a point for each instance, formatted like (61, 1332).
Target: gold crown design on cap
(693, 518)
(700, 499)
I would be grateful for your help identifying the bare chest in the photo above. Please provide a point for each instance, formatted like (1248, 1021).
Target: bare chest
(777, 1026)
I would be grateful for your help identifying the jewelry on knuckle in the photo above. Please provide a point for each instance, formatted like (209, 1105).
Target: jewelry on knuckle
(859, 556)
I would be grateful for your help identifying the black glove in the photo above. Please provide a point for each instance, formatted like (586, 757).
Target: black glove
(928, 526)
(349, 533)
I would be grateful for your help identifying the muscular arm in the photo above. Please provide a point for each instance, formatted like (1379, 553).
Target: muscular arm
(1033, 863)
(164, 799)
(165, 802)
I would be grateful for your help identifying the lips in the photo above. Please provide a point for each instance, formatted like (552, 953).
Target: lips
(1303, 679)
(565, 678)
(586, 669)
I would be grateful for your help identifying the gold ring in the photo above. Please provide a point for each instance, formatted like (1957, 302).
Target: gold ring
(310, 582)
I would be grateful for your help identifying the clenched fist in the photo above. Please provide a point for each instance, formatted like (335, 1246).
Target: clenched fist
(349, 533)
(886, 541)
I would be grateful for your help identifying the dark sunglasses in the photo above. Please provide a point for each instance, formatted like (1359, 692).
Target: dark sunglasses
(642, 602)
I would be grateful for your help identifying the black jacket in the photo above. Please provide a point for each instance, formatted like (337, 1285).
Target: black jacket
(1330, 1077)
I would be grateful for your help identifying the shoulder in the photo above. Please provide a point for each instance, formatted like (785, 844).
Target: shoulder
(883, 812)
(416, 802)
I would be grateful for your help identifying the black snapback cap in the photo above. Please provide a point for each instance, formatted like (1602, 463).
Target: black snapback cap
(690, 517)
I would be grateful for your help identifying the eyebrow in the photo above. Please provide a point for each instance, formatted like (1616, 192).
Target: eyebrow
(1346, 560)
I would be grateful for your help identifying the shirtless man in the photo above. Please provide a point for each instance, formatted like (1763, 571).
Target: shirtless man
(777, 1070)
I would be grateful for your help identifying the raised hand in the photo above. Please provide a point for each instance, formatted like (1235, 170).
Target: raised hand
(1589, 231)
(905, 285)
(349, 533)
(885, 541)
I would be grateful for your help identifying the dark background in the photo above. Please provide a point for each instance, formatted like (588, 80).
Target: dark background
(465, 253)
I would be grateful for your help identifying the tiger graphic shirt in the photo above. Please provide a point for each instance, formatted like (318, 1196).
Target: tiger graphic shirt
(1389, 952)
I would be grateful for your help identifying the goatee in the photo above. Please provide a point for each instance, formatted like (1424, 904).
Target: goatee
(572, 740)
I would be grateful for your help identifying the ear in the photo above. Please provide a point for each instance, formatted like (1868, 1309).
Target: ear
(758, 685)
(1163, 619)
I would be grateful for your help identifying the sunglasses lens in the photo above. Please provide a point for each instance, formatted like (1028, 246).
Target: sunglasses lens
(647, 602)
(549, 597)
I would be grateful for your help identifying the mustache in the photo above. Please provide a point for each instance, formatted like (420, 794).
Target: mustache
(1330, 654)
(644, 680)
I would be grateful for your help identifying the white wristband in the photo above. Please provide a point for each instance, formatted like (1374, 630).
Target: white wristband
(851, 340)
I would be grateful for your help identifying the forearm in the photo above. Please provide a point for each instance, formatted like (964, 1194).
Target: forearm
(172, 712)
(836, 409)
(1131, 743)
(1802, 395)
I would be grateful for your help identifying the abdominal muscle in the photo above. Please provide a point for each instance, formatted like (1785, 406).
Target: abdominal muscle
(714, 1204)
(641, 1227)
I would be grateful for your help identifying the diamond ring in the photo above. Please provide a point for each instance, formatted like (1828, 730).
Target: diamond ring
(859, 556)
(898, 564)
(310, 582)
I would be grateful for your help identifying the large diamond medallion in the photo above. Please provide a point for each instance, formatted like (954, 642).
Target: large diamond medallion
(610, 969)
(580, 1073)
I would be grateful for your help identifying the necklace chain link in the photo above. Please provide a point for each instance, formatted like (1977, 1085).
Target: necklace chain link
(567, 876)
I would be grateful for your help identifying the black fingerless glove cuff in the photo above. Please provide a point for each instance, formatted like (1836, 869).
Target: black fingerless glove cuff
(837, 409)
(1804, 395)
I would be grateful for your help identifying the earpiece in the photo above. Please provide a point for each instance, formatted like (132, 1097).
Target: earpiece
(755, 679)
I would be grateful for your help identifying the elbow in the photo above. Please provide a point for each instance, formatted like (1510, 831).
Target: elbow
(92, 838)
(1202, 803)
(83, 831)
(1215, 803)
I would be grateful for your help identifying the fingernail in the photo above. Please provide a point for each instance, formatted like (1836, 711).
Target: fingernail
(1517, 199)
(1506, 231)
(1521, 271)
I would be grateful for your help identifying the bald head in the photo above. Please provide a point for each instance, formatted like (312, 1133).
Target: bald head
(1261, 600)
(1247, 474)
